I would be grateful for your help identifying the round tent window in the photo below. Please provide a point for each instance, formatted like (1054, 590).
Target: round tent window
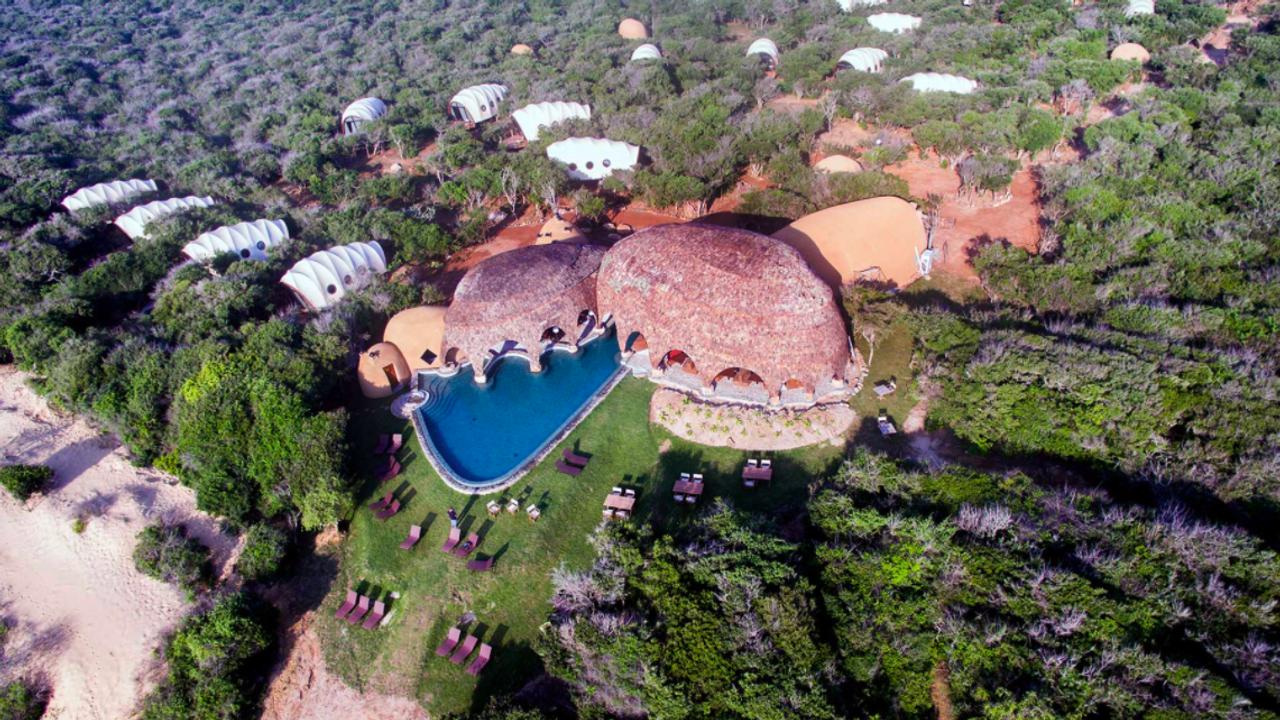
(590, 165)
(573, 166)
(244, 253)
(605, 162)
(333, 289)
(347, 279)
(262, 245)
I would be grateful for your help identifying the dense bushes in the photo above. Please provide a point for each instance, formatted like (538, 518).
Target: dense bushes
(165, 552)
(22, 481)
(264, 548)
(20, 701)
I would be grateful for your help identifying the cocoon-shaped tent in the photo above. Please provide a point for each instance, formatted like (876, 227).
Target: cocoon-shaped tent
(477, 103)
(134, 223)
(532, 118)
(647, 51)
(632, 29)
(558, 230)
(107, 193)
(837, 164)
(382, 371)
(851, 5)
(896, 23)
(877, 239)
(593, 158)
(766, 49)
(322, 279)
(940, 82)
(364, 110)
(865, 59)
(1130, 51)
(521, 49)
(1140, 7)
(248, 240)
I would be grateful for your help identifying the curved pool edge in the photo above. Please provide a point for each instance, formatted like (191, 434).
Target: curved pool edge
(512, 477)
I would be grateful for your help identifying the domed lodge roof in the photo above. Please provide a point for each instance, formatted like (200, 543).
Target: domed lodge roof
(726, 312)
(523, 301)
(878, 239)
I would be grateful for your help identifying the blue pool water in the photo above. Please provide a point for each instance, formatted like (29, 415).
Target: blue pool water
(483, 432)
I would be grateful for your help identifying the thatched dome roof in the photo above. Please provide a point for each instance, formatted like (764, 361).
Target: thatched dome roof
(382, 371)
(727, 298)
(632, 29)
(419, 334)
(519, 295)
(875, 239)
(1130, 51)
(521, 49)
(837, 164)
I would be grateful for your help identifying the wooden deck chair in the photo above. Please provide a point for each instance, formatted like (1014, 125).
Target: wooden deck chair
(375, 617)
(464, 650)
(352, 598)
(358, 613)
(449, 643)
(482, 659)
(415, 534)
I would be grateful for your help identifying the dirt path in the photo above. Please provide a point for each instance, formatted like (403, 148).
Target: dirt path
(82, 618)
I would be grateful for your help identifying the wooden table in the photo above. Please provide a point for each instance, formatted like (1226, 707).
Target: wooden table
(688, 487)
(752, 472)
(620, 502)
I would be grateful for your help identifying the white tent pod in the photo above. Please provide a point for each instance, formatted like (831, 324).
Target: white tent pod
(647, 51)
(851, 5)
(477, 103)
(248, 240)
(532, 118)
(593, 158)
(866, 59)
(893, 22)
(323, 278)
(134, 223)
(1140, 7)
(364, 110)
(765, 48)
(941, 82)
(107, 193)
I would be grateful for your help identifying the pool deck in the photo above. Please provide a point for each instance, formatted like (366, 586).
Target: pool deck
(510, 478)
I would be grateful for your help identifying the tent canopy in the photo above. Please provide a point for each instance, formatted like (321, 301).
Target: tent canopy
(362, 111)
(322, 279)
(477, 103)
(1130, 51)
(941, 82)
(593, 158)
(766, 48)
(893, 22)
(107, 193)
(248, 240)
(647, 51)
(134, 223)
(851, 5)
(865, 59)
(532, 118)
(1140, 7)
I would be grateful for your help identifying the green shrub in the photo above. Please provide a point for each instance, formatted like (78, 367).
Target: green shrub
(20, 701)
(166, 553)
(22, 481)
(264, 548)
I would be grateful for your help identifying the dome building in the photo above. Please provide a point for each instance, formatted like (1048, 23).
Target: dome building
(589, 159)
(632, 29)
(766, 50)
(523, 302)
(360, 113)
(1130, 51)
(647, 51)
(729, 314)
(410, 343)
(895, 23)
(863, 59)
(108, 193)
(247, 240)
(531, 119)
(521, 49)
(477, 103)
(134, 223)
(323, 278)
(835, 164)
(941, 82)
(880, 239)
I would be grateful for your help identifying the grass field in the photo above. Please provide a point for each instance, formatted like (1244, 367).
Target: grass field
(512, 602)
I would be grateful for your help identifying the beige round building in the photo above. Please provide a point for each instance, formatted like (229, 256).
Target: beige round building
(833, 164)
(727, 313)
(876, 240)
(1130, 51)
(632, 29)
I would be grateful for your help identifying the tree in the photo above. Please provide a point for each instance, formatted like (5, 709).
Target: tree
(264, 548)
(166, 553)
(22, 481)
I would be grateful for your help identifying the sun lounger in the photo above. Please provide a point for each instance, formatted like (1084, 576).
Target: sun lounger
(352, 597)
(361, 608)
(494, 508)
(482, 659)
(684, 476)
(397, 442)
(534, 512)
(451, 542)
(567, 469)
(690, 499)
(389, 469)
(480, 565)
(749, 483)
(679, 497)
(608, 513)
(752, 462)
(379, 504)
(617, 490)
(389, 510)
(628, 492)
(576, 459)
(697, 477)
(467, 547)
(415, 534)
(375, 617)
(464, 650)
(513, 507)
(766, 463)
(381, 447)
(449, 643)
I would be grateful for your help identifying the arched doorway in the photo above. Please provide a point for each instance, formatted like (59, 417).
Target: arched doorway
(678, 360)
(635, 342)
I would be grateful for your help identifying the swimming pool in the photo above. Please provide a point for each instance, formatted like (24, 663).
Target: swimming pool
(481, 436)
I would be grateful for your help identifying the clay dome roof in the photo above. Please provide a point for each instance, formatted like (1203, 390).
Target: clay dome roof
(382, 371)
(419, 333)
(521, 49)
(520, 294)
(726, 298)
(557, 230)
(632, 29)
(838, 164)
(1130, 51)
(875, 239)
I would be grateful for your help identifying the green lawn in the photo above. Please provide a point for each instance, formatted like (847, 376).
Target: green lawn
(512, 602)
(892, 359)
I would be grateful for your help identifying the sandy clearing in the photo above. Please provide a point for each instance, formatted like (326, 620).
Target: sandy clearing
(749, 428)
(82, 618)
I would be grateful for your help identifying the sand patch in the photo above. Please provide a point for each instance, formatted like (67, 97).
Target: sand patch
(83, 619)
(748, 428)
